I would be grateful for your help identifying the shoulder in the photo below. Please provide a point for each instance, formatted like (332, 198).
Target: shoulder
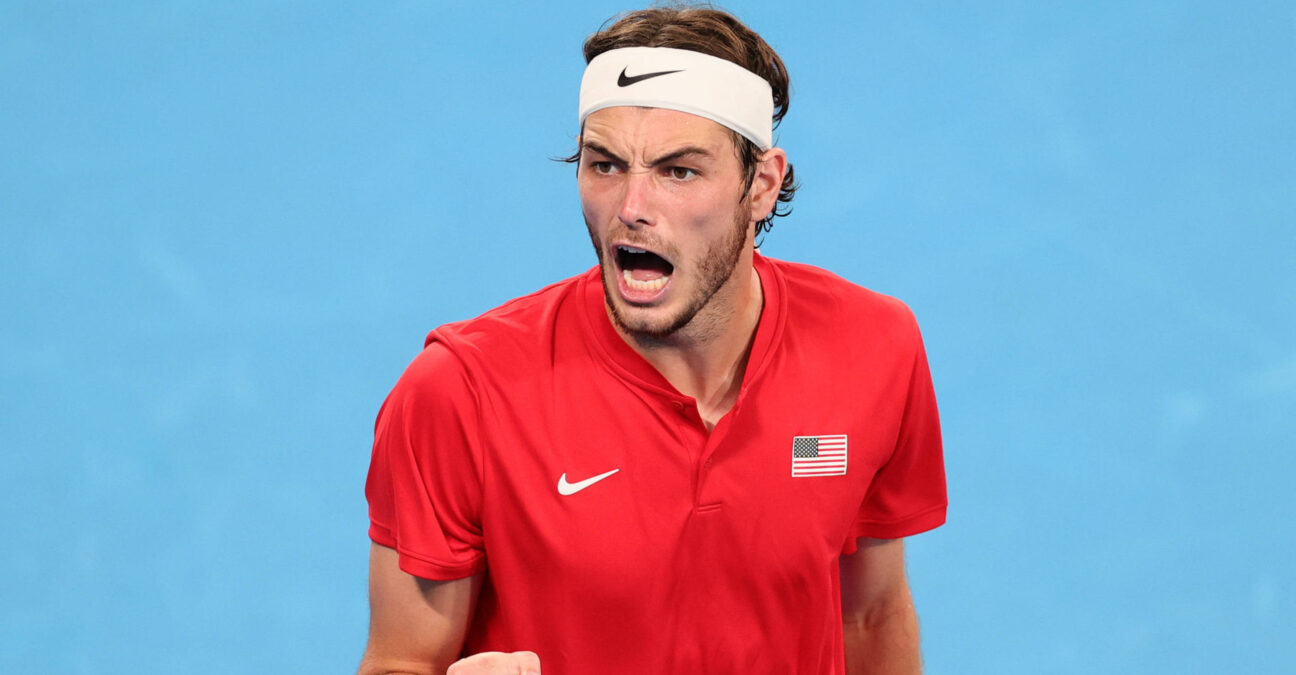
(513, 335)
(514, 325)
(817, 297)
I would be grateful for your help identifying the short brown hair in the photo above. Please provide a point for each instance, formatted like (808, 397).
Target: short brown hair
(716, 33)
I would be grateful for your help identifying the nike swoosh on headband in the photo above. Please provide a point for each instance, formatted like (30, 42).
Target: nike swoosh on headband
(703, 85)
(623, 81)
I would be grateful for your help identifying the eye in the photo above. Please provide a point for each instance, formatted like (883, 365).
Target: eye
(682, 173)
(602, 167)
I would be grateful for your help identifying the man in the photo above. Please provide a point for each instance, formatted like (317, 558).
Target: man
(690, 459)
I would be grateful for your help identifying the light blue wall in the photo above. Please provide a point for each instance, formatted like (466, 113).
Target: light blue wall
(225, 228)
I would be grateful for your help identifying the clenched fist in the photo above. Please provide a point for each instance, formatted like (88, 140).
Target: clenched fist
(497, 663)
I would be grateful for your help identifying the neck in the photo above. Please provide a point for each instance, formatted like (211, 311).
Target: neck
(706, 359)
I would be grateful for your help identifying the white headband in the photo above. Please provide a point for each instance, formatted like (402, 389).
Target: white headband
(683, 80)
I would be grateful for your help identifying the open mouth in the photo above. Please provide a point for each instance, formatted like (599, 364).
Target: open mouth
(643, 271)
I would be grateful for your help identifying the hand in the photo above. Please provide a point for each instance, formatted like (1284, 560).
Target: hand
(497, 663)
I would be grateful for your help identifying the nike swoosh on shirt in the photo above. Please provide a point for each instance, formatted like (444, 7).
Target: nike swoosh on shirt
(623, 81)
(565, 488)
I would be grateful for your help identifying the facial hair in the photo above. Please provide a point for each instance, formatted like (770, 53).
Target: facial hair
(714, 267)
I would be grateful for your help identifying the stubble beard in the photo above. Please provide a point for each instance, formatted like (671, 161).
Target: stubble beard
(714, 269)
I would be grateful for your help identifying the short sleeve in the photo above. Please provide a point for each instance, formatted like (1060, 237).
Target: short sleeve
(907, 495)
(424, 483)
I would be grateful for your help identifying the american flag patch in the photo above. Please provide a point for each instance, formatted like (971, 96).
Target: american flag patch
(818, 456)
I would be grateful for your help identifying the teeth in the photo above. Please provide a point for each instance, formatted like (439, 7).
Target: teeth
(631, 249)
(652, 285)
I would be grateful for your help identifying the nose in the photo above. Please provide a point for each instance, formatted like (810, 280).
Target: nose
(636, 203)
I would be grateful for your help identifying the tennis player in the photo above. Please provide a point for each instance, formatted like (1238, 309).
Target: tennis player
(691, 458)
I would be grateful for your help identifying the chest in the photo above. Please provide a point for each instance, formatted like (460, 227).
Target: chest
(599, 485)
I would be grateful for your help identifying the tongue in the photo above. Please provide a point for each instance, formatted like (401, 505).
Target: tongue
(646, 274)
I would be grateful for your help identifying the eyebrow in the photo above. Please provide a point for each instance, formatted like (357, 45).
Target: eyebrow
(672, 156)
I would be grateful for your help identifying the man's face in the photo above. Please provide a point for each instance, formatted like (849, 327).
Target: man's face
(661, 192)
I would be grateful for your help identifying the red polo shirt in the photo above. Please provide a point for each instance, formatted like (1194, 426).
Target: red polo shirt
(617, 534)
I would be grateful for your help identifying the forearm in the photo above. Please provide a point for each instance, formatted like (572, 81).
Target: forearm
(883, 641)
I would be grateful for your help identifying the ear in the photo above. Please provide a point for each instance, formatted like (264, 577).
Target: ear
(766, 183)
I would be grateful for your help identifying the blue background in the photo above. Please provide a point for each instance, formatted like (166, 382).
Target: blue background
(227, 226)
